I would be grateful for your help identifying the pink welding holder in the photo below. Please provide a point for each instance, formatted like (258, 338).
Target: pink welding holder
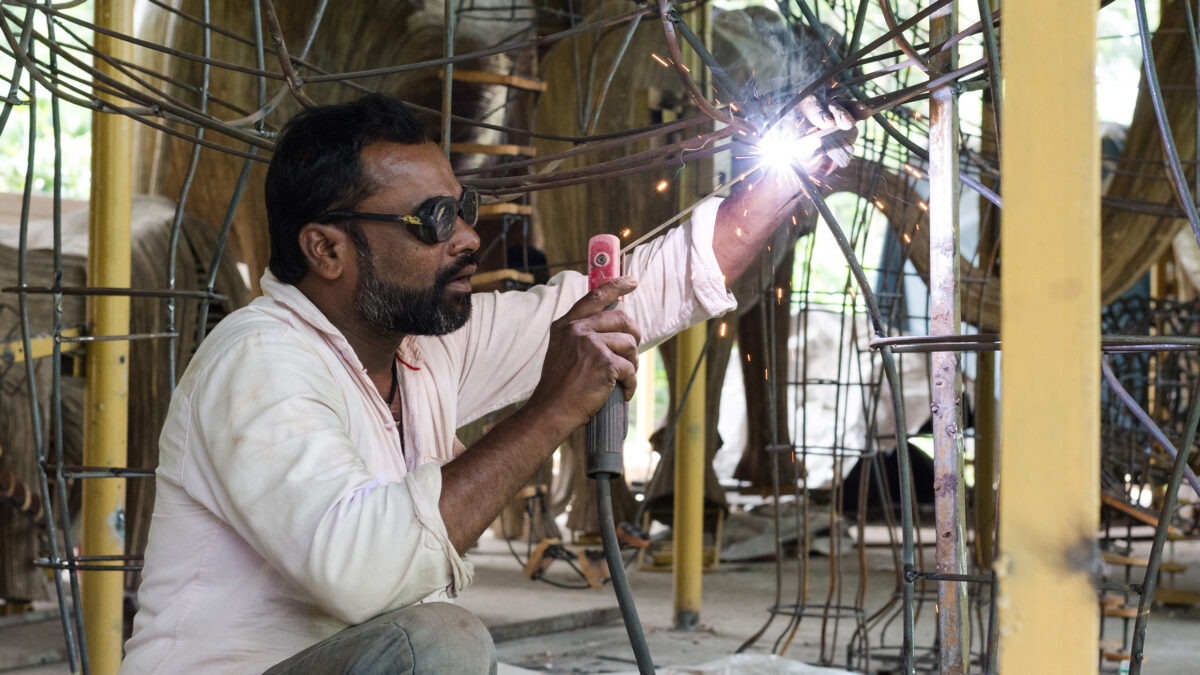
(604, 260)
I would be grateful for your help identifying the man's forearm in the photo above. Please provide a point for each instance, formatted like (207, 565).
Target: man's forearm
(748, 218)
(477, 484)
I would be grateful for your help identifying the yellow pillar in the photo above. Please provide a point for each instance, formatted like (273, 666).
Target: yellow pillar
(688, 524)
(106, 409)
(1049, 460)
(688, 546)
(647, 391)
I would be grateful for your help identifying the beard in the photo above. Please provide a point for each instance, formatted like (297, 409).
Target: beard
(397, 310)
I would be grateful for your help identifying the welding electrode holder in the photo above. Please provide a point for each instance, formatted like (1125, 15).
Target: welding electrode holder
(604, 461)
(606, 437)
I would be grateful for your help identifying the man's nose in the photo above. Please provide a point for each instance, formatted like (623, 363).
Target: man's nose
(464, 240)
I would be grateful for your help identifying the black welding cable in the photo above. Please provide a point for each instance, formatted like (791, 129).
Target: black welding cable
(616, 570)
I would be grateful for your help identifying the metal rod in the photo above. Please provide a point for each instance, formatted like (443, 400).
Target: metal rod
(1179, 180)
(1141, 415)
(908, 553)
(535, 42)
(181, 203)
(70, 630)
(448, 20)
(945, 309)
(113, 291)
(1160, 534)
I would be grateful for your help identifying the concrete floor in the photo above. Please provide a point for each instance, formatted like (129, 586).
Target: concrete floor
(532, 620)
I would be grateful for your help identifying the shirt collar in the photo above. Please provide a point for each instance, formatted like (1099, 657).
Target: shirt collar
(292, 298)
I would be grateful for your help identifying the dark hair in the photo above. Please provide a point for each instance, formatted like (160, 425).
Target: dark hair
(316, 169)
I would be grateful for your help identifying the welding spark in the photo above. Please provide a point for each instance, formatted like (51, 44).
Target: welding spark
(923, 206)
(907, 239)
(783, 145)
(721, 332)
(662, 185)
(658, 58)
(626, 232)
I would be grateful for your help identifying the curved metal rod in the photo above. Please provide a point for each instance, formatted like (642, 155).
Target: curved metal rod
(675, 160)
(1144, 418)
(638, 159)
(238, 189)
(898, 36)
(664, 9)
(644, 133)
(181, 203)
(908, 550)
(39, 441)
(157, 106)
(1164, 125)
(612, 71)
(150, 45)
(1164, 523)
(285, 61)
(992, 52)
(15, 81)
(468, 56)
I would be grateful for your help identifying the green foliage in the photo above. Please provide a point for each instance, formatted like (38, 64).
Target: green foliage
(76, 150)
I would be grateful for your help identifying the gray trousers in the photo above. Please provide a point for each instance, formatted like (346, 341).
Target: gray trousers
(435, 637)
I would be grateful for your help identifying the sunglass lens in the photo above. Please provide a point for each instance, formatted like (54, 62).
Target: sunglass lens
(469, 206)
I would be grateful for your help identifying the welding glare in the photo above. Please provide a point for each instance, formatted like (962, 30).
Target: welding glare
(785, 145)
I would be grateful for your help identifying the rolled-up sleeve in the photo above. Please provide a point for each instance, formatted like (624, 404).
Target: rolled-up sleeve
(503, 346)
(272, 458)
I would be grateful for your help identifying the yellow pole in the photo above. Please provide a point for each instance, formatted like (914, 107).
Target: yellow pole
(106, 409)
(688, 544)
(647, 391)
(1049, 461)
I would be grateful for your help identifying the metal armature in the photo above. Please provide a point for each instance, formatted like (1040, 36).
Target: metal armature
(912, 167)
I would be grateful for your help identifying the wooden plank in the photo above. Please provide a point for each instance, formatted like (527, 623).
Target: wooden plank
(1135, 512)
(484, 77)
(1177, 596)
(499, 280)
(505, 209)
(484, 149)
(1123, 612)
(1131, 561)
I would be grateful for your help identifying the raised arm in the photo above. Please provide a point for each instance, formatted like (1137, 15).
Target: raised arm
(759, 204)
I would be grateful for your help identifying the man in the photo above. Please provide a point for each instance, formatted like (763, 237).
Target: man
(311, 492)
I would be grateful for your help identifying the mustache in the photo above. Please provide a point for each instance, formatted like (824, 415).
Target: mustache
(454, 269)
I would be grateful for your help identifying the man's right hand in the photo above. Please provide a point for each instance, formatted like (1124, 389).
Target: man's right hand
(591, 350)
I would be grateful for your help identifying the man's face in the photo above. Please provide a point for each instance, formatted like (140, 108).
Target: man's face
(406, 286)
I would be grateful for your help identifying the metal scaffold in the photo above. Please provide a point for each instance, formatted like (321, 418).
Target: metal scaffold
(872, 332)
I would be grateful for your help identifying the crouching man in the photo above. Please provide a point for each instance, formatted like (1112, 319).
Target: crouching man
(312, 500)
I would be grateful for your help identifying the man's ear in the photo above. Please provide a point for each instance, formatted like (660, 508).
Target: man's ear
(327, 248)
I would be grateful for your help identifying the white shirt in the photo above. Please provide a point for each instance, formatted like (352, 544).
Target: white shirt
(287, 505)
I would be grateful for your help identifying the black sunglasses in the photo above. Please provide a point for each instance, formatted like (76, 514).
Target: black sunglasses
(434, 220)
